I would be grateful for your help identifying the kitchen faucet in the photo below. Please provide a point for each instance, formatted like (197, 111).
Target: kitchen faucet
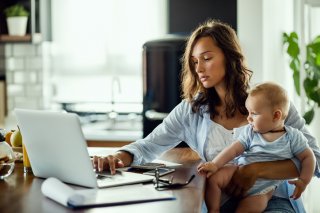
(115, 88)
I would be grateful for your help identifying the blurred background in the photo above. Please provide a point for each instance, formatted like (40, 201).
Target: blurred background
(116, 62)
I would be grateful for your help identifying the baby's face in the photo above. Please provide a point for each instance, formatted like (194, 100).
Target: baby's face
(260, 114)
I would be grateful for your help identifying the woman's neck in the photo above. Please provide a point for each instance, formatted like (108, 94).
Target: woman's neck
(229, 123)
(221, 91)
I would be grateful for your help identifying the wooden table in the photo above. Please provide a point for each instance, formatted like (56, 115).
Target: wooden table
(21, 192)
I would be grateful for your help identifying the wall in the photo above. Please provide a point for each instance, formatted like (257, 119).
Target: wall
(2, 87)
(185, 15)
(23, 66)
(260, 33)
(2, 101)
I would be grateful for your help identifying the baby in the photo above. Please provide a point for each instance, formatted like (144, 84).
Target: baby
(265, 138)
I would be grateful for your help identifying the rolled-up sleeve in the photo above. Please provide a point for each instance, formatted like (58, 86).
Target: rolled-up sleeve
(164, 137)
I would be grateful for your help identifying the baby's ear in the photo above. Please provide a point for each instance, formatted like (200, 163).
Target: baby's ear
(277, 115)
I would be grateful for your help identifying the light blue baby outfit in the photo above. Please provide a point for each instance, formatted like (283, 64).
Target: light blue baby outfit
(257, 149)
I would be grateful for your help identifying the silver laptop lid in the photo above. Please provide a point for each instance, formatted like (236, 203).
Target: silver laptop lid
(56, 146)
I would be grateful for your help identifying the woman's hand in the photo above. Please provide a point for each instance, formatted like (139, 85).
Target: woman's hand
(245, 176)
(300, 187)
(242, 180)
(111, 162)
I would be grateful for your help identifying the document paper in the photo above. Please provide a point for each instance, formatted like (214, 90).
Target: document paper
(69, 197)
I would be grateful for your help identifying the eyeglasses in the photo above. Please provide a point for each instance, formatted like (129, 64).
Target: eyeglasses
(163, 184)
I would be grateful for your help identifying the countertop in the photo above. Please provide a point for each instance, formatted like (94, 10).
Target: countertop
(111, 135)
(91, 133)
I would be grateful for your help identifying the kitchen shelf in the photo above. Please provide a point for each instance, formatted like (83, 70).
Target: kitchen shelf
(9, 38)
(39, 21)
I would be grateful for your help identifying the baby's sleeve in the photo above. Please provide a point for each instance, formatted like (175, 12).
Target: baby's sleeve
(244, 135)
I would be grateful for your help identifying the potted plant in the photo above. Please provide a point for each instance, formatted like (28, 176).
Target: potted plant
(17, 18)
(311, 65)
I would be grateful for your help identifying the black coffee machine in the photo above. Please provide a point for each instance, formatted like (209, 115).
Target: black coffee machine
(161, 79)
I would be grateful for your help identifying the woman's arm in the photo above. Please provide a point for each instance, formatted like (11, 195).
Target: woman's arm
(167, 135)
(246, 175)
(296, 121)
(307, 160)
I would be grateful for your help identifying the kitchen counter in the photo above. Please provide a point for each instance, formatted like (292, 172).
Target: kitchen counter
(125, 131)
(111, 135)
(93, 134)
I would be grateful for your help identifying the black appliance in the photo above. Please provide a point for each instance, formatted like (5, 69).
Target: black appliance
(161, 79)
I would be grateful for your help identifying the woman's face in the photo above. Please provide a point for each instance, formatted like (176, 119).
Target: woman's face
(209, 62)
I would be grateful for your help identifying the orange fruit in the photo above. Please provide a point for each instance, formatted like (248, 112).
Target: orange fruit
(8, 136)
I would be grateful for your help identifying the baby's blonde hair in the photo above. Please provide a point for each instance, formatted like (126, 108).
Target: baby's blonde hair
(274, 94)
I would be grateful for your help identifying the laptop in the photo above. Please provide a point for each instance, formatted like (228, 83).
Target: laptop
(57, 148)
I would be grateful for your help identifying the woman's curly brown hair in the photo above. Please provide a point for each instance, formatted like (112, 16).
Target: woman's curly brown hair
(237, 75)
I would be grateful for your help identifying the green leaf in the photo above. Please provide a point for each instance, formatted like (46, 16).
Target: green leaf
(294, 36)
(318, 59)
(296, 80)
(308, 116)
(317, 39)
(292, 41)
(285, 38)
(316, 71)
(16, 10)
(315, 96)
(295, 65)
(311, 66)
(293, 49)
(310, 84)
(315, 47)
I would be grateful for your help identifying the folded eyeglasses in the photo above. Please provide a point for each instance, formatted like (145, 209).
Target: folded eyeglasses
(163, 184)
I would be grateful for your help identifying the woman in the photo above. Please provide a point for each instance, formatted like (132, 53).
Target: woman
(215, 81)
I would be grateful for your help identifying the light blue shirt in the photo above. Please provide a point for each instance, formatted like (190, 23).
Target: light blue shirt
(257, 149)
(184, 125)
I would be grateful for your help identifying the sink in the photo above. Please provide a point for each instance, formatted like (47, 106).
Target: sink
(111, 125)
(120, 129)
(111, 135)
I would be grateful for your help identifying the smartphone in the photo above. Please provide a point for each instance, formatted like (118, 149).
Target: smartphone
(162, 171)
(148, 166)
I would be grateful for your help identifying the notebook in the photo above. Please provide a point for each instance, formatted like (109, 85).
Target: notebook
(75, 198)
(57, 148)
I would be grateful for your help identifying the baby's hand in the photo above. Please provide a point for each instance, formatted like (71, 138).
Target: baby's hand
(208, 169)
(200, 169)
(300, 187)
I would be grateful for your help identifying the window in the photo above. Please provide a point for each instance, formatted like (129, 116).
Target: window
(97, 51)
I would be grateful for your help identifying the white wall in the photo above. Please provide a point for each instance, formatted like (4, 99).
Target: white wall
(249, 30)
(260, 27)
